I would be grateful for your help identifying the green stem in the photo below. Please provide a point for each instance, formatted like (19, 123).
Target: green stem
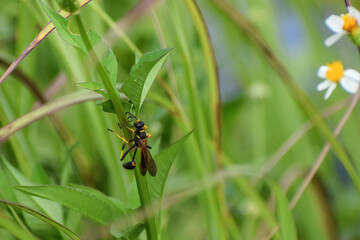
(115, 99)
(150, 225)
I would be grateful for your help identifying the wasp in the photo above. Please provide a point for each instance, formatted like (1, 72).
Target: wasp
(147, 162)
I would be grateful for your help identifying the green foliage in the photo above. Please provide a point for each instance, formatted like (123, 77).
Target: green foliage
(79, 199)
(142, 76)
(286, 220)
(164, 162)
(236, 173)
(20, 232)
(62, 27)
(69, 5)
(75, 40)
(129, 233)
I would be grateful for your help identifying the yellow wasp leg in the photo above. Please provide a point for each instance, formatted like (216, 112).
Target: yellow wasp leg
(130, 129)
(148, 135)
(118, 135)
(126, 127)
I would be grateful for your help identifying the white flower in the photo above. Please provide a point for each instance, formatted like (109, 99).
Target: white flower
(334, 73)
(342, 25)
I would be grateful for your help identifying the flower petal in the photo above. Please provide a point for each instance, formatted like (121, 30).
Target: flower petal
(352, 74)
(322, 71)
(335, 23)
(349, 85)
(323, 85)
(334, 38)
(353, 12)
(330, 90)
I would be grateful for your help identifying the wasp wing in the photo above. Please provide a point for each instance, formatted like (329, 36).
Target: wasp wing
(147, 162)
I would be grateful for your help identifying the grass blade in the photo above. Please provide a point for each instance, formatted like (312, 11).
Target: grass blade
(286, 220)
(42, 217)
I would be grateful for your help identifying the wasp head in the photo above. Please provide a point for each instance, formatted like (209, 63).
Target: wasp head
(139, 124)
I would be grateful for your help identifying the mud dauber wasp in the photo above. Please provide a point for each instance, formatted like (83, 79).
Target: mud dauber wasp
(147, 163)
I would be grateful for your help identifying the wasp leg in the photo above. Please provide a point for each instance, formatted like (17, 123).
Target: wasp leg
(148, 147)
(120, 126)
(122, 150)
(118, 135)
(148, 135)
(132, 164)
(126, 153)
(133, 159)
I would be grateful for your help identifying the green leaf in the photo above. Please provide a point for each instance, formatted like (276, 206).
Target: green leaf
(15, 229)
(286, 220)
(108, 59)
(142, 76)
(97, 87)
(53, 210)
(41, 217)
(120, 205)
(62, 27)
(91, 85)
(107, 106)
(130, 233)
(88, 202)
(164, 160)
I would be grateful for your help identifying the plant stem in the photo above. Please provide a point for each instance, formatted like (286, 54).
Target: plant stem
(150, 224)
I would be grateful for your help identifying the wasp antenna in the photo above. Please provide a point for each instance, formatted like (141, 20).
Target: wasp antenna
(131, 115)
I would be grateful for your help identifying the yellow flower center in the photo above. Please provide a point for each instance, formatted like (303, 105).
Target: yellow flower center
(335, 71)
(350, 23)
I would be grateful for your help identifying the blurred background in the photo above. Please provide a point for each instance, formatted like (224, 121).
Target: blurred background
(258, 111)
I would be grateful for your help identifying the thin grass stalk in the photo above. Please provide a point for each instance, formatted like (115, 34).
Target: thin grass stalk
(294, 138)
(38, 39)
(15, 143)
(213, 75)
(215, 105)
(151, 229)
(324, 152)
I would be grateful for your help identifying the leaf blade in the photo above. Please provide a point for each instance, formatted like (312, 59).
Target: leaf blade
(44, 218)
(79, 199)
(164, 160)
(286, 220)
(142, 76)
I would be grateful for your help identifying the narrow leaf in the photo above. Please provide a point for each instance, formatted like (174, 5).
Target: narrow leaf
(92, 204)
(132, 232)
(164, 161)
(91, 85)
(15, 229)
(142, 76)
(50, 208)
(97, 87)
(44, 218)
(107, 57)
(62, 27)
(286, 220)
